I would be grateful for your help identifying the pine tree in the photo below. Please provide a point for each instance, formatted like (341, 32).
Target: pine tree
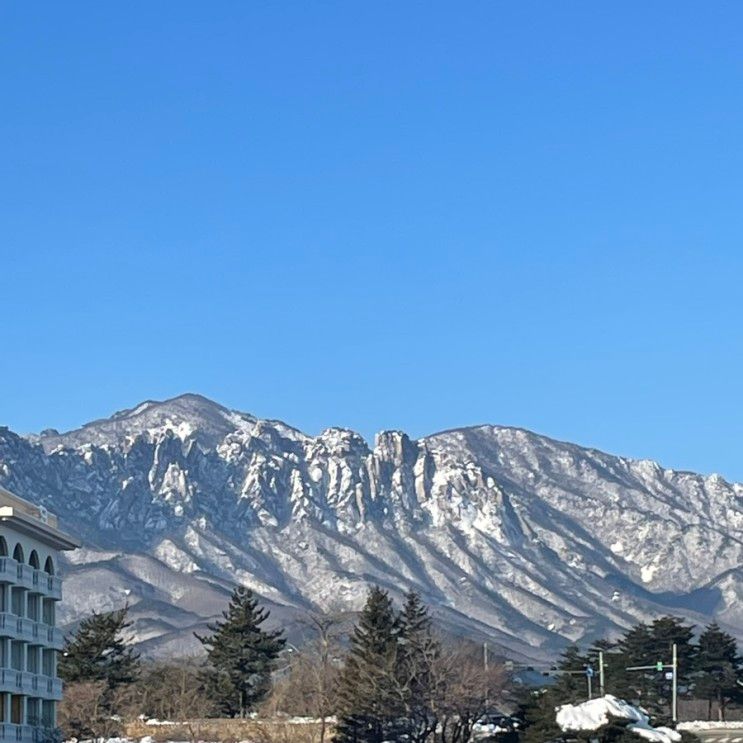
(241, 655)
(647, 644)
(418, 655)
(538, 707)
(717, 667)
(669, 630)
(613, 665)
(98, 651)
(633, 649)
(571, 685)
(665, 632)
(370, 697)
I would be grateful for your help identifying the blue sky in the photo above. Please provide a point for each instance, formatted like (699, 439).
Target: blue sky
(379, 215)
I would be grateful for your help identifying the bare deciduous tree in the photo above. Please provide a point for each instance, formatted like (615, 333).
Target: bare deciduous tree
(309, 687)
(171, 691)
(466, 688)
(325, 671)
(86, 711)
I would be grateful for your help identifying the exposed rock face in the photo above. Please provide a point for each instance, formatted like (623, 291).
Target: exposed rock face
(511, 536)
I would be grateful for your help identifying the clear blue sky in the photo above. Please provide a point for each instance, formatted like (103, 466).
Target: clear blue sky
(411, 215)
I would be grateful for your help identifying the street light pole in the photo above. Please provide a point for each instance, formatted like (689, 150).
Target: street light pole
(602, 688)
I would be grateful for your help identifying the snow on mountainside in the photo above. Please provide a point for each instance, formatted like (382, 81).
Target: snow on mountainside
(511, 536)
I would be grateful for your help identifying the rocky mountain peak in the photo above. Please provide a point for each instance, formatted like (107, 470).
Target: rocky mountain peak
(511, 536)
(188, 415)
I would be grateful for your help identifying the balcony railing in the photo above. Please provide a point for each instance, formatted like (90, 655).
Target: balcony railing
(39, 721)
(49, 585)
(19, 628)
(32, 684)
(17, 733)
(50, 636)
(8, 571)
(37, 581)
(24, 575)
(35, 633)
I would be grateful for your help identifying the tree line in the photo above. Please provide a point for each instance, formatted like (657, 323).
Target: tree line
(392, 678)
(708, 670)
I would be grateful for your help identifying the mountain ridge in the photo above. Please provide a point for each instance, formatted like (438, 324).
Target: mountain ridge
(151, 402)
(512, 536)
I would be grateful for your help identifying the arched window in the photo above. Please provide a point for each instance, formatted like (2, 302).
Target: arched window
(18, 553)
(49, 566)
(33, 560)
(3, 547)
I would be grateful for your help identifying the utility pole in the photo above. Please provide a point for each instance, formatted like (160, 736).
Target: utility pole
(602, 687)
(485, 669)
(674, 692)
(661, 666)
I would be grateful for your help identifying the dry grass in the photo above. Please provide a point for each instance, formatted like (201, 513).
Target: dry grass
(275, 730)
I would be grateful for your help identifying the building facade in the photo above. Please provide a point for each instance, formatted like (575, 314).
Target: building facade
(30, 588)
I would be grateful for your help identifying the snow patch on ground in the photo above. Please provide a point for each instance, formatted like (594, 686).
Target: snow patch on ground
(709, 725)
(593, 714)
(596, 713)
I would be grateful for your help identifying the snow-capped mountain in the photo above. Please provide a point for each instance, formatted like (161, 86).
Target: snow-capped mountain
(510, 536)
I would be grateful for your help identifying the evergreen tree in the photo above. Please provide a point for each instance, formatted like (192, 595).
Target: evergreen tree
(632, 650)
(241, 655)
(538, 707)
(717, 668)
(669, 630)
(647, 644)
(98, 651)
(371, 700)
(571, 685)
(418, 655)
(613, 665)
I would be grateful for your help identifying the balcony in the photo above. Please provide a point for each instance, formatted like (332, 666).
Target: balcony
(43, 634)
(52, 688)
(35, 633)
(8, 570)
(46, 687)
(49, 585)
(36, 581)
(30, 684)
(17, 733)
(24, 575)
(15, 627)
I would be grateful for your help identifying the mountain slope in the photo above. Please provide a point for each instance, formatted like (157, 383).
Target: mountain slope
(511, 536)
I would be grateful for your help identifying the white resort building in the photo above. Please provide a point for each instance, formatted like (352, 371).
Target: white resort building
(30, 588)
